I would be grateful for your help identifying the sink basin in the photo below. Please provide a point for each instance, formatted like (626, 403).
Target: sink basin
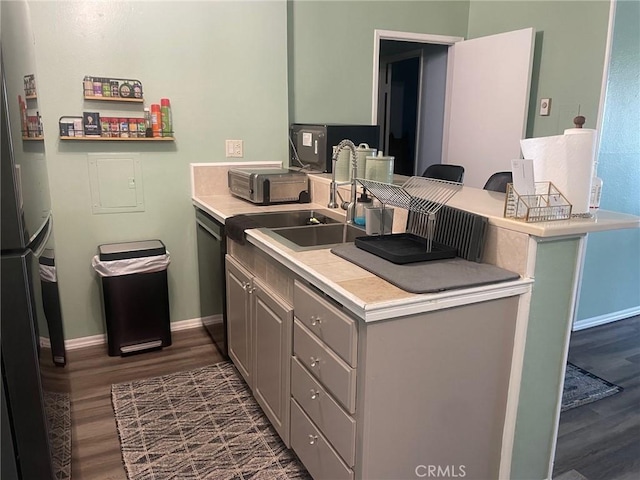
(294, 218)
(310, 237)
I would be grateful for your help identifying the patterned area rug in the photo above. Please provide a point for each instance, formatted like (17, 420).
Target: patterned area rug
(582, 387)
(200, 424)
(58, 409)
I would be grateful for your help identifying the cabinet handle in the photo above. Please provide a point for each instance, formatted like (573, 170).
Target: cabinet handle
(314, 394)
(245, 285)
(313, 439)
(250, 290)
(315, 361)
(315, 320)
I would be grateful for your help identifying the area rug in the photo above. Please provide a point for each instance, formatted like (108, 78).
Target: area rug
(58, 410)
(200, 424)
(582, 387)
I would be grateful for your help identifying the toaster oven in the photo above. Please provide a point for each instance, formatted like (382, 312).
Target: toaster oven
(268, 186)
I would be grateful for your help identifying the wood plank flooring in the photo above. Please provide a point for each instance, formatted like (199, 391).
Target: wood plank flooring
(601, 440)
(90, 373)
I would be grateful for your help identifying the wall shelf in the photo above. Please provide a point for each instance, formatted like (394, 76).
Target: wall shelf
(113, 99)
(108, 139)
(40, 138)
(31, 97)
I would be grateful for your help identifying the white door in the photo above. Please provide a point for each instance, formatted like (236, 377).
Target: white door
(488, 84)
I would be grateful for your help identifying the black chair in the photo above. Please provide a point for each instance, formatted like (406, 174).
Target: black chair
(440, 171)
(498, 182)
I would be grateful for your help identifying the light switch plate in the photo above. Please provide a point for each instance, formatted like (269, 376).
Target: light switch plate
(545, 107)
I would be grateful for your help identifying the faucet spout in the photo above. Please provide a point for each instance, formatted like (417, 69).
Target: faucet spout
(351, 206)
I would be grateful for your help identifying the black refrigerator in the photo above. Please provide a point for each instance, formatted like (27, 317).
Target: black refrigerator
(26, 232)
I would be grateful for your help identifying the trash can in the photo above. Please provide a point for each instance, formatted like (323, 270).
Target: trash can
(135, 295)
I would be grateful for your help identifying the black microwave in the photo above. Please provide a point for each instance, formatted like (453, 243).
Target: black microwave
(312, 144)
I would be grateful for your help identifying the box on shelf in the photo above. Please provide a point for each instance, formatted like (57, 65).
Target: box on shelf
(91, 123)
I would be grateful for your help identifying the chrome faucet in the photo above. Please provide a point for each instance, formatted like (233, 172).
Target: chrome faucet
(351, 206)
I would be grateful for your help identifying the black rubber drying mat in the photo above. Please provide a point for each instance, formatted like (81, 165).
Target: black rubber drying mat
(402, 248)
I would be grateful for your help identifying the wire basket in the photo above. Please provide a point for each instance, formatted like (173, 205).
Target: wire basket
(547, 204)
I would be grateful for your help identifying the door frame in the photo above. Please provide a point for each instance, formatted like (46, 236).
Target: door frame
(379, 35)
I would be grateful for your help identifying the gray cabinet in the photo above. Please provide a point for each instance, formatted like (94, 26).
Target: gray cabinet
(323, 385)
(260, 331)
(272, 354)
(239, 287)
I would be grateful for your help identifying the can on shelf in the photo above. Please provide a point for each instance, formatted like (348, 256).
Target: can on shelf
(105, 126)
(115, 127)
(124, 128)
(133, 127)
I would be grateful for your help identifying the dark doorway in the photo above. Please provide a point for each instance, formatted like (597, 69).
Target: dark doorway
(403, 113)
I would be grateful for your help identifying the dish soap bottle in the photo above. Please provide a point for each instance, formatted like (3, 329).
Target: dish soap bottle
(361, 203)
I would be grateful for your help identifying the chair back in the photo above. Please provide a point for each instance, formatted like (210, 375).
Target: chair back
(443, 171)
(498, 182)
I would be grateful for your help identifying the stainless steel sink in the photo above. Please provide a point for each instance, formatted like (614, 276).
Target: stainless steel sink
(294, 218)
(310, 237)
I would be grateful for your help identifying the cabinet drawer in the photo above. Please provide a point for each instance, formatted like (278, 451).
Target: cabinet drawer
(332, 372)
(331, 325)
(319, 458)
(338, 427)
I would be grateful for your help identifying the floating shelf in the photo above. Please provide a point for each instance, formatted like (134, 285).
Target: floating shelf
(118, 139)
(113, 99)
(31, 97)
(40, 138)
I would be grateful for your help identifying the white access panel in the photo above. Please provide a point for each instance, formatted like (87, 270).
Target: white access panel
(116, 183)
(488, 98)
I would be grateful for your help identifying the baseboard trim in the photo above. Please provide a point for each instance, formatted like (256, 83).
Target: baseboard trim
(93, 340)
(604, 319)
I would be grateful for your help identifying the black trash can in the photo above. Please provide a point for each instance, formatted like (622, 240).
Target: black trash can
(135, 295)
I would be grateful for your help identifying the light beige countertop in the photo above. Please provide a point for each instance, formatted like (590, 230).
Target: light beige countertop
(363, 293)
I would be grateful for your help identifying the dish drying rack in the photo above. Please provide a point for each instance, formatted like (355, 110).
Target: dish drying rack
(422, 197)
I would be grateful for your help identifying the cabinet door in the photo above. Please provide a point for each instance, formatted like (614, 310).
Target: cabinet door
(239, 317)
(272, 348)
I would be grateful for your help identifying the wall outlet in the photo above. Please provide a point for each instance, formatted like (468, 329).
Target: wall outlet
(234, 148)
(545, 107)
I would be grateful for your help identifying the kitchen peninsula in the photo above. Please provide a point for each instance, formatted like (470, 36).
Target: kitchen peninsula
(466, 379)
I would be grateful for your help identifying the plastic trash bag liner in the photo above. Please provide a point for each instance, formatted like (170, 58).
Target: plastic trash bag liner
(116, 268)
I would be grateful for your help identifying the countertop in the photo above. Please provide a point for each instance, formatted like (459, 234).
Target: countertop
(364, 294)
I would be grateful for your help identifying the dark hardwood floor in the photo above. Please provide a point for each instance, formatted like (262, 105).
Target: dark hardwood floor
(601, 440)
(88, 377)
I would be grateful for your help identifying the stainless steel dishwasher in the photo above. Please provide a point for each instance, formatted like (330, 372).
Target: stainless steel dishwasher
(212, 246)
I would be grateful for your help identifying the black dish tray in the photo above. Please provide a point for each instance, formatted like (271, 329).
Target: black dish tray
(401, 248)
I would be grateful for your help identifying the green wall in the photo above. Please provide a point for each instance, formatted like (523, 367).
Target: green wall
(223, 65)
(611, 278)
(543, 366)
(331, 51)
(568, 56)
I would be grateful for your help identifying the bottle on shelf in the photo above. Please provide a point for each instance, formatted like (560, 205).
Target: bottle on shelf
(167, 122)
(596, 189)
(156, 120)
(148, 124)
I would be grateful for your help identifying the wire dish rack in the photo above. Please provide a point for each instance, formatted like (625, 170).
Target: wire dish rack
(422, 197)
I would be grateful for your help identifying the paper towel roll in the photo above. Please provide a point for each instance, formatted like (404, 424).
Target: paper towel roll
(566, 161)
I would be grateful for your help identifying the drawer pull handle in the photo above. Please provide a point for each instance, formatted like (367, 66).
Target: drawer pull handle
(245, 285)
(313, 439)
(314, 394)
(315, 320)
(314, 361)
